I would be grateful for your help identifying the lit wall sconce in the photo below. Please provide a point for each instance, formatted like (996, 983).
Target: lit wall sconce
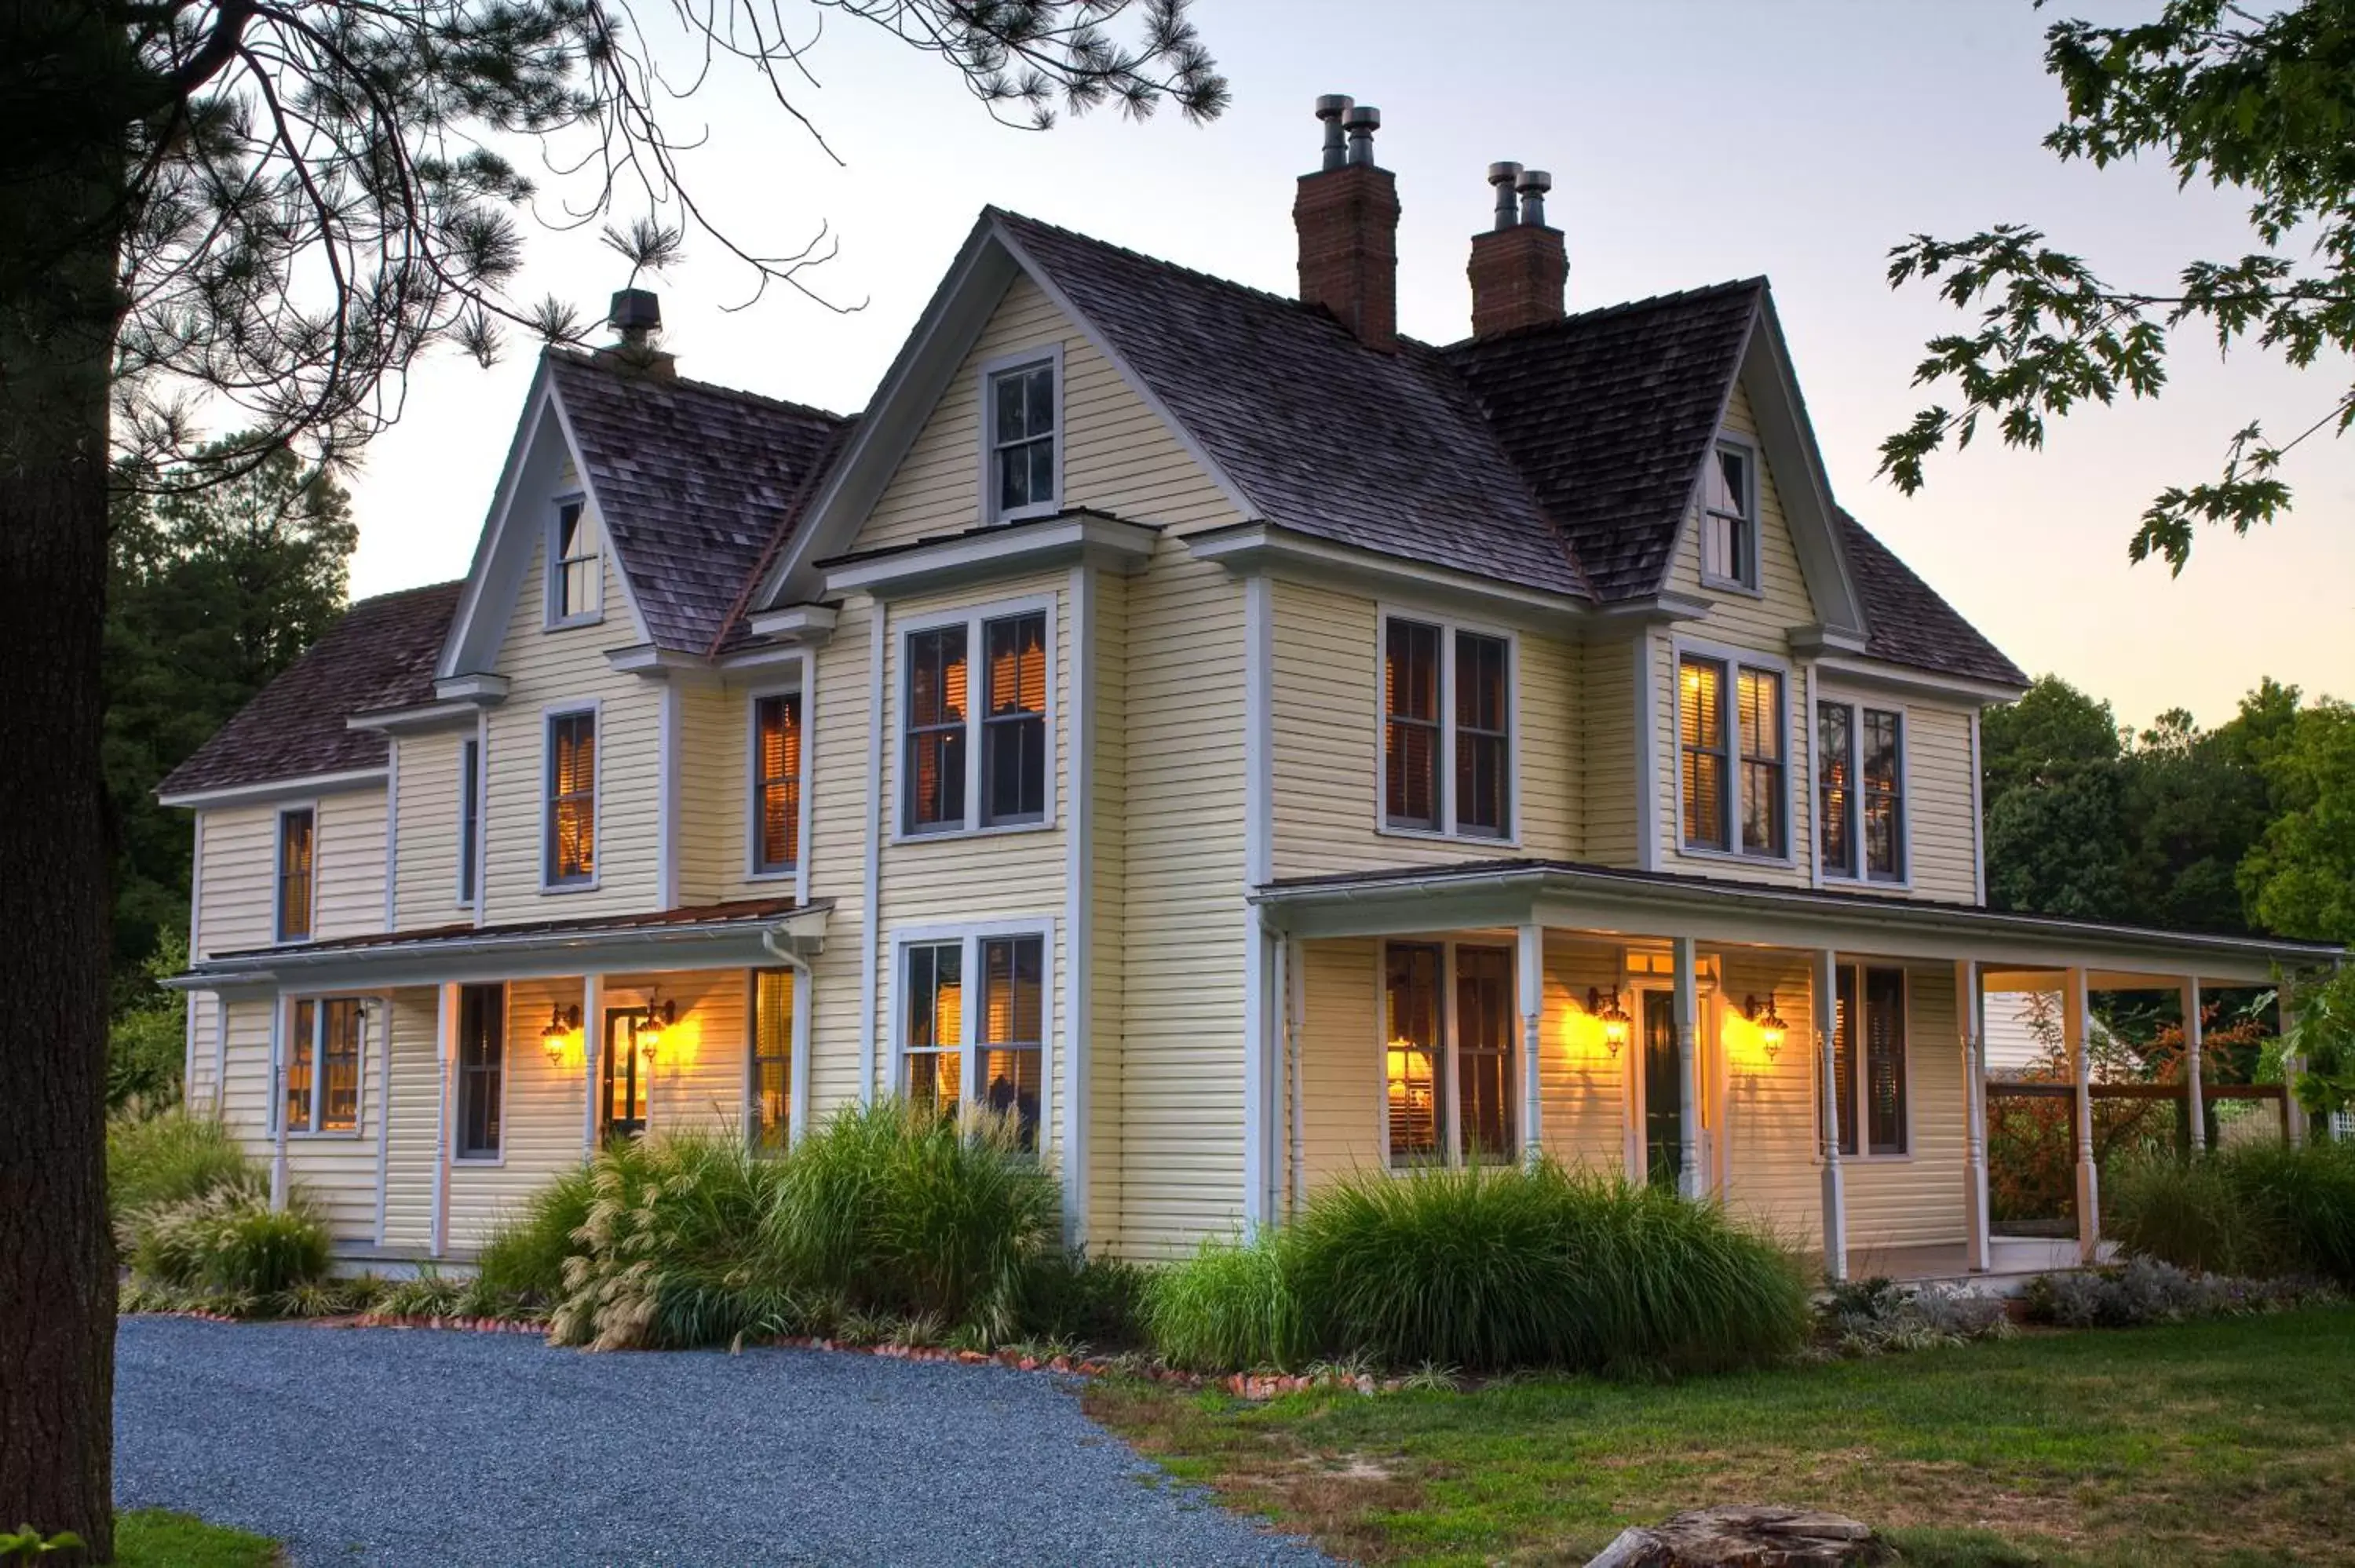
(1770, 1026)
(660, 1016)
(561, 1023)
(1616, 1024)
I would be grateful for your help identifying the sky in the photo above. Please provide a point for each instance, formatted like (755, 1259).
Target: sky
(1690, 141)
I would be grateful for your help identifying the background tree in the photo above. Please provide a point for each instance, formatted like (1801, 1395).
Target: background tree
(2299, 879)
(264, 210)
(2258, 101)
(2054, 805)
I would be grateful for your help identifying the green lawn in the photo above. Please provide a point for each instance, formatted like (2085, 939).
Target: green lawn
(2227, 1443)
(151, 1538)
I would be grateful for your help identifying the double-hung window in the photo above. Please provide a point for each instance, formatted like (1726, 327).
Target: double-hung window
(482, 1071)
(776, 782)
(1860, 792)
(1733, 757)
(1448, 1020)
(1022, 432)
(297, 845)
(1448, 742)
(1871, 1082)
(1729, 547)
(977, 764)
(993, 1054)
(321, 1089)
(772, 1118)
(575, 575)
(469, 821)
(571, 851)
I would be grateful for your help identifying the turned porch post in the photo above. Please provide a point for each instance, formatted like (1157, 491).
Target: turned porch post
(1529, 970)
(2076, 1026)
(2195, 1093)
(278, 1056)
(592, 1050)
(1970, 1012)
(445, 1052)
(1824, 983)
(2293, 1118)
(1686, 1004)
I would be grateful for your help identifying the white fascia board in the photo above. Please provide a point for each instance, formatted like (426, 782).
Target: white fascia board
(1665, 607)
(1826, 641)
(656, 664)
(610, 551)
(1783, 430)
(1257, 549)
(414, 720)
(1909, 682)
(989, 555)
(267, 789)
(479, 688)
(480, 572)
(801, 623)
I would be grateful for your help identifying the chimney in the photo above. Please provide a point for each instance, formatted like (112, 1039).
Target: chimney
(1518, 267)
(636, 316)
(1347, 214)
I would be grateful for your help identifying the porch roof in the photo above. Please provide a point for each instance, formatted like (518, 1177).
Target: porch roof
(730, 934)
(1611, 901)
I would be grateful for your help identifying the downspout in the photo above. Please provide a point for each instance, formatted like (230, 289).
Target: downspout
(805, 1003)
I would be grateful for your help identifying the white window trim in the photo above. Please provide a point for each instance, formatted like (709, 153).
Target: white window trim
(1448, 626)
(971, 934)
(1749, 450)
(466, 900)
(1855, 704)
(507, 1080)
(318, 1002)
(1856, 1066)
(972, 618)
(552, 570)
(804, 667)
(1050, 354)
(595, 708)
(1451, 1083)
(1730, 657)
(278, 937)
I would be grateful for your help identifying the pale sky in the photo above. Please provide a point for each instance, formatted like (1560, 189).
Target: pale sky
(1690, 141)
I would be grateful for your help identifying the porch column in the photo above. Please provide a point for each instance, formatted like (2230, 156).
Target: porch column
(1688, 1013)
(1970, 1010)
(1826, 985)
(2293, 1118)
(1529, 970)
(1296, 1003)
(2074, 1024)
(445, 1052)
(278, 1100)
(2194, 1067)
(593, 1048)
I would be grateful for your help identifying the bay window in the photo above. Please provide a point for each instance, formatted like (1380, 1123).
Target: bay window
(1447, 759)
(320, 1087)
(953, 1055)
(1449, 1021)
(1733, 757)
(990, 763)
(1860, 792)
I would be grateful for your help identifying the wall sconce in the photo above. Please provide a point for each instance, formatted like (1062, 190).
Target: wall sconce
(1616, 1024)
(660, 1015)
(561, 1023)
(1770, 1026)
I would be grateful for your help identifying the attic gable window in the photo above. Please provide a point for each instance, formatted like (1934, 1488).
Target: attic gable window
(1729, 539)
(576, 579)
(1021, 433)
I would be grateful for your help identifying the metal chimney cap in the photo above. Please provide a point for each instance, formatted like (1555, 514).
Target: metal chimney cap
(635, 309)
(1536, 180)
(1503, 174)
(1362, 117)
(1334, 105)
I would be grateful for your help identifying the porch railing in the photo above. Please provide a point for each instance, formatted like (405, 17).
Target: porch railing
(2033, 1140)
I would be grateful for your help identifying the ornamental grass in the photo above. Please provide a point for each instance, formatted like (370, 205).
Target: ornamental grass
(2261, 1210)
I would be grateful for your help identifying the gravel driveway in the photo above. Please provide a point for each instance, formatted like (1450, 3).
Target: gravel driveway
(438, 1449)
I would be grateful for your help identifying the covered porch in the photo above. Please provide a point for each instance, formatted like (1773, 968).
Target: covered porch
(1814, 1060)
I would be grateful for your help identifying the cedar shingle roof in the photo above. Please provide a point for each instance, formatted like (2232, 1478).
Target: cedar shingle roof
(1905, 620)
(694, 482)
(380, 655)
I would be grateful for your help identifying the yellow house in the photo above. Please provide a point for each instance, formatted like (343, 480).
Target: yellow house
(1243, 743)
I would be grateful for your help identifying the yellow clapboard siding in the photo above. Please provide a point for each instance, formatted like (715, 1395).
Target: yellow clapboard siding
(426, 877)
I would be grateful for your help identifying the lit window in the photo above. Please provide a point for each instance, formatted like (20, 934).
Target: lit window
(297, 836)
(773, 1059)
(1412, 1084)
(937, 710)
(992, 1056)
(1860, 795)
(776, 782)
(482, 1070)
(321, 1088)
(1013, 722)
(1731, 757)
(1022, 480)
(934, 1045)
(1013, 1024)
(571, 849)
(977, 759)
(1871, 1085)
(1420, 792)
(575, 582)
(1729, 522)
(1431, 1119)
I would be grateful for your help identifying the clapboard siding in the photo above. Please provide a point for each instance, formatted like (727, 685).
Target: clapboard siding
(426, 885)
(842, 811)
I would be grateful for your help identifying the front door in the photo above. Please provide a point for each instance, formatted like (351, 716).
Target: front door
(622, 1113)
(1664, 1091)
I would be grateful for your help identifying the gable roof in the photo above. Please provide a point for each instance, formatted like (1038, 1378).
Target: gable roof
(695, 484)
(380, 655)
(1907, 623)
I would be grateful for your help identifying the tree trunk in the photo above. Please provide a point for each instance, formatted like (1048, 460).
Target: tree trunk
(61, 66)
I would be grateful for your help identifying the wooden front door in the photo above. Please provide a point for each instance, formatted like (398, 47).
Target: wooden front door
(627, 1076)
(1664, 1091)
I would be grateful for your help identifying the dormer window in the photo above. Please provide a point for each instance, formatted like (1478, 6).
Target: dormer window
(1728, 537)
(575, 577)
(1022, 428)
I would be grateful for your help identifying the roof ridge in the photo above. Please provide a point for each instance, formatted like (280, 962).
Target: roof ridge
(442, 587)
(587, 359)
(1163, 263)
(1605, 313)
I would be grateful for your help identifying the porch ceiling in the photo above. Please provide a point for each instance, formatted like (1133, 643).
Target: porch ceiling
(1639, 905)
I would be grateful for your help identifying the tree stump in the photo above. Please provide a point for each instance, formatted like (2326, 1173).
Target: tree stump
(1746, 1537)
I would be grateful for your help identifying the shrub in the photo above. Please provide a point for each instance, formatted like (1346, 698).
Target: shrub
(2305, 1197)
(1486, 1269)
(520, 1270)
(1873, 1316)
(1232, 1304)
(230, 1244)
(170, 1157)
(2261, 1209)
(2145, 1290)
(1095, 1302)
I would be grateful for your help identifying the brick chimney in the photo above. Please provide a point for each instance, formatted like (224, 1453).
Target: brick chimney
(1348, 216)
(1518, 267)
